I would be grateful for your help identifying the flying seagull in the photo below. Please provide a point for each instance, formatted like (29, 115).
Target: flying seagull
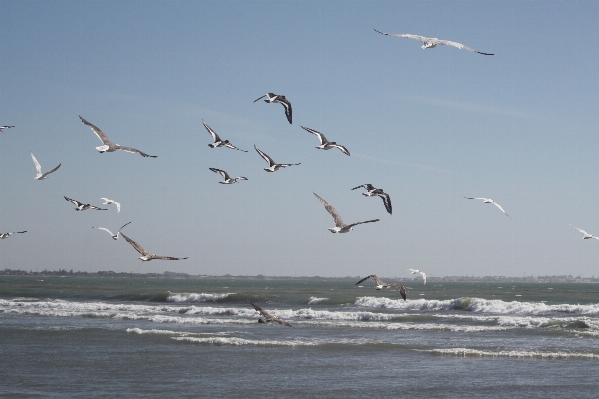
(268, 317)
(38, 168)
(490, 201)
(4, 127)
(381, 286)
(586, 235)
(273, 166)
(414, 271)
(432, 42)
(275, 98)
(109, 201)
(217, 141)
(82, 207)
(340, 226)
(109, 146)
(324, 143)
(6, 235)
(228, 179)
(114, 236)
(145, 255)
(371, 191)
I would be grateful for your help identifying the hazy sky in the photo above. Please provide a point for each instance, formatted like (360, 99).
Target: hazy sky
(427, 126)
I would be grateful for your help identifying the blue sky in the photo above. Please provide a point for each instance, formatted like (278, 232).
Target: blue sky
(427, 126)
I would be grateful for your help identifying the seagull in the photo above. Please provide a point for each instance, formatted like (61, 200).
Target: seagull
(109, 146)
(381, 286)
(275, 98)
(228, 179)
(273, 167)
(4, 127)
(490, 201)
(268, 317)
(109, 201)
(340, 226)
(371, 191)
(324, 143)
(114, 236)
(431, 42)
(145, 255)
(414, 271)
(38, 167)
(6, 235)
(82, 207)
(217, 141)
(586, 235)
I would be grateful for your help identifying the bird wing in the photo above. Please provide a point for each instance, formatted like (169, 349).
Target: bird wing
(499, 206)
(95, 207)
(357, 223)
(53, 170)
(338, 221)
(135, 245)
(318, 134)
(259, 98)
(229, 145)
(363, 185)
(212, 132)
(122, 228)
(263, 155)
(101, 135)
(258, 308)
(407, 35)
(401, 288)
(376, 279)
(581, 230)
(423, 276)
(287, 106)
(105, 229)
(118, 206)
(73, 201)
(484, 199)
(386, 201)
(222, 172)
(458, 45)
(38, 167)
(342, 148)
(135, 150)
(165, 257)
(414, 271)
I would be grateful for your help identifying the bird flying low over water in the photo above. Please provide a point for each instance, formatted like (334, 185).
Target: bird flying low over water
(371, 191)
(38, 168)
(145, 255)
(217, 140)
(381, 286)
(82, 207)
(340, 226)
(109, 146)
(4, 127)
(490, 201)
(415, 271)
(586, 235)
(268, 317)
(432, 42)
(273, 166)
(6, 235)
(114, 236)
(275, 98)
(324, 143)
(228, 179)
(109, 201)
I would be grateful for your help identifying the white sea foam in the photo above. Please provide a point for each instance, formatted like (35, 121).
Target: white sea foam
(512, 353)
(193, 297)
(241, 341)
(314, 300)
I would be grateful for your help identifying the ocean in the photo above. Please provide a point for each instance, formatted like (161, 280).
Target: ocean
(102, 337)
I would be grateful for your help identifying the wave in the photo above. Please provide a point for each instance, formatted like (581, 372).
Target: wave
(511, 353)
(314, 300)
(241, 341)
(192, 297)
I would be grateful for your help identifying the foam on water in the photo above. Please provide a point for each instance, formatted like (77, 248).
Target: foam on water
(314, 300)
(241, 341)
(193, 297)
(512, 353)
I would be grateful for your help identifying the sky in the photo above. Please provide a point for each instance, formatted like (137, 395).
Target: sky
(429, 127)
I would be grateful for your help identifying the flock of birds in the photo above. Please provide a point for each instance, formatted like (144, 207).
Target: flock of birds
(340, 225)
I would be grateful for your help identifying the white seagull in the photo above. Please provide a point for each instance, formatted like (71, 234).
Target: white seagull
(38, 168)
(109, 146)
(114, 236)
(272, 165)
(371, 191)
(275, 98)
(109, 201)
(145, 255)
(217, 140)
(490, 201)
(82, 207)
(268, 317)
(586, 235)
(324, 143)
(381, 286)
(4, 127)
(228, 179)
(6, 235)
(432, 42)
(340, 226)
(415, 271)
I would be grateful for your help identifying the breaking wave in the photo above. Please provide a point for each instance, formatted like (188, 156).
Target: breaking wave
(512, 353)
(196, 298)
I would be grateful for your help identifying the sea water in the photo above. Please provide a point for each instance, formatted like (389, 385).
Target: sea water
(199, 337)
